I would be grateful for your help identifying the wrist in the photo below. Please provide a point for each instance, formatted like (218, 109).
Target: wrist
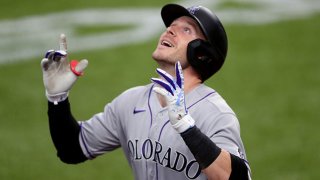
(184, 124)
(203, 149)
(56, 98)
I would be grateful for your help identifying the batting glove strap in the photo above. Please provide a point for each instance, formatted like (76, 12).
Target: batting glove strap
(184, 124)
(56, 98)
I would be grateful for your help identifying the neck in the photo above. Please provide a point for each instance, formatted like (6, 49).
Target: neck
(191, 79)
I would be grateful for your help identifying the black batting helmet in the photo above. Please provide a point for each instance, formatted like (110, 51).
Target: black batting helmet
(206, 57)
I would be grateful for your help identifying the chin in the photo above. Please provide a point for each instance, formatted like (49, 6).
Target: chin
(164, 60)
(159, 57)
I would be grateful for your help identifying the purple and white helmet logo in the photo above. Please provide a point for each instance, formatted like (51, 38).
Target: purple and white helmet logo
(192, 10)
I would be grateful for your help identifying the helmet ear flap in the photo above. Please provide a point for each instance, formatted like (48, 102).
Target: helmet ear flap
(199, 51)
(203, 57)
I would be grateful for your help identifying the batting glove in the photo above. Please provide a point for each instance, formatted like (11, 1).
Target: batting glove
(58, 74)
(173, 91)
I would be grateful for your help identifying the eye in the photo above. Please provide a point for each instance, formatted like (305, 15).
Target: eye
(187, 30)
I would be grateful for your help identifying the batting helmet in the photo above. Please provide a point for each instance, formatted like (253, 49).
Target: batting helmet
(206, 57)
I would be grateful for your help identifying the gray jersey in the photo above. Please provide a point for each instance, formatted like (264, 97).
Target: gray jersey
(136, 122)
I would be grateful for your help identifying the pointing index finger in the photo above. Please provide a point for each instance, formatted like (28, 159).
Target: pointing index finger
(63, 42)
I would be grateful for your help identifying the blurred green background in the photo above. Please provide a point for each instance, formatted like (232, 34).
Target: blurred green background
(271, 80)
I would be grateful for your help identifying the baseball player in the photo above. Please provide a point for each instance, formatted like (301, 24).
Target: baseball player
(176, 127)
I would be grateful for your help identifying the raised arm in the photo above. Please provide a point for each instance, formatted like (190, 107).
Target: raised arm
(58, 77)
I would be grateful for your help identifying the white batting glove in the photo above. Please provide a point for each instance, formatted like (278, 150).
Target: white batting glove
(173, 91)
(58, 74)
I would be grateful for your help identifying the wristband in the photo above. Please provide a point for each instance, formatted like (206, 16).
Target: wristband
(203, 149)
(56, 98)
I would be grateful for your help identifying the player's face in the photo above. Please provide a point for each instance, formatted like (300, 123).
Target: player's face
(172, 45)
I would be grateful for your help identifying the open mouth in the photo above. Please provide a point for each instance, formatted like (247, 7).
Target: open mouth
(166, 43)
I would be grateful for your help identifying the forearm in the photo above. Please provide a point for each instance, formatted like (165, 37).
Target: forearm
(216, 163)
(220, 168)
(64, 131)
(228, 166)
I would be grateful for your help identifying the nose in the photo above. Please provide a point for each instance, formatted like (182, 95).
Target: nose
(171, 31)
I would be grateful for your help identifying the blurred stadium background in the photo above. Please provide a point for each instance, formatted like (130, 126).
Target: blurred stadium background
(271, 79)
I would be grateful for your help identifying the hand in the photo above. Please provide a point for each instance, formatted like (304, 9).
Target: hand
(173, 91)
(58, 75)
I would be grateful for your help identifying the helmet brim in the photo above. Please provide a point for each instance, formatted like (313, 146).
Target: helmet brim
(170, 12)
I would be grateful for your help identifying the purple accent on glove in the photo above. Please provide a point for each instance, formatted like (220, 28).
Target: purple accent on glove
(167, 77)
(170, 84)
(179, 75)
(48, 53)
(55, 55)
(59, 54)
(163, 84)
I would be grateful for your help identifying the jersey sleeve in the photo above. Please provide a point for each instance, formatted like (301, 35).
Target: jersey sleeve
(218, 121)
(225, 132)
(105, 131)
(224, 128)
(99, 134)
(226, 135)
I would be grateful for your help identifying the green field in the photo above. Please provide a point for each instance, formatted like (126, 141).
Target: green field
(271, 80)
